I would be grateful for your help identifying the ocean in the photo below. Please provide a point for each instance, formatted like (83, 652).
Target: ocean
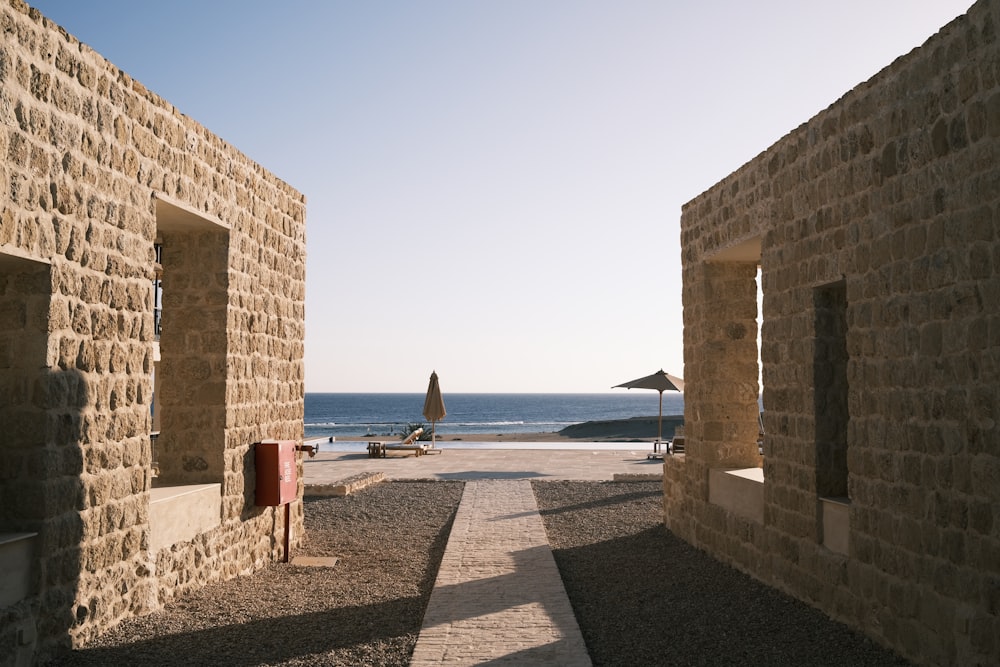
(355, 417)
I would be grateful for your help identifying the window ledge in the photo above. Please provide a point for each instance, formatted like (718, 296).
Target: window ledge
(181, 513)
(836, 524)
(17, 552)
(740, 491)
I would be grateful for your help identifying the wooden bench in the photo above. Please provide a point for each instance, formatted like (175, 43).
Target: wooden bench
(377, 449)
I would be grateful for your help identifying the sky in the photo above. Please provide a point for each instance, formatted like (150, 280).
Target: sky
(494, 187)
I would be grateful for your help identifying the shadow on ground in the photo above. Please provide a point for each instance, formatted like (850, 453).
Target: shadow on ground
(278, 640)
(643, 596)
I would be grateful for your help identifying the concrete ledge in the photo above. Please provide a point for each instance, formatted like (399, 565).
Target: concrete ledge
(315, 561)
(836, 524)
(180, 513)
(637, 477)
(740, 491)
(346, 486)
(17, 553)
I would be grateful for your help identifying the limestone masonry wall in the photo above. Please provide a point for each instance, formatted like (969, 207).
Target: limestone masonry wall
(876, 227)
(107, 188)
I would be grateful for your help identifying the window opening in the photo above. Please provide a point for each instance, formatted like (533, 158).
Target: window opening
(830, 389)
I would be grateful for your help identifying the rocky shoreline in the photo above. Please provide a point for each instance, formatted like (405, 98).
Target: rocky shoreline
(642, 428)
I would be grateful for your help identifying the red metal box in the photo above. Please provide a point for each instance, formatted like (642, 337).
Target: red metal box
(276, 479)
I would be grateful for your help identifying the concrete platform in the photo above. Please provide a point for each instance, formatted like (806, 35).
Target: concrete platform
(467, 464)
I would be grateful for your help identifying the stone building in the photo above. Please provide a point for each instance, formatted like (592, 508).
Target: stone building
(875, 227)
(136, 249)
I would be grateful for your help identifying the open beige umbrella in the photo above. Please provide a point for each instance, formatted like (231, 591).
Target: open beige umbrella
(434, 404)
(660, 382)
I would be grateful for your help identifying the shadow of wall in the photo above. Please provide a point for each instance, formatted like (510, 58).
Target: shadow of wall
(41, 463)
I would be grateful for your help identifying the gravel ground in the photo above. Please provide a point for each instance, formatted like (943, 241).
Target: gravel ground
(366, 610)
(642, 596)
(645, 597)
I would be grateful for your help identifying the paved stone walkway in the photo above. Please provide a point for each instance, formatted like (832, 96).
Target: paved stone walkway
(498, 598)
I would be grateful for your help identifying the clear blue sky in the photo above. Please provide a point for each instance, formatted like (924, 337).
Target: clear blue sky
(494, 187)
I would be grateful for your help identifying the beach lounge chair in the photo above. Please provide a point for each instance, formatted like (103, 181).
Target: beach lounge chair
(760, 437)
(378, 448)
(677, 443)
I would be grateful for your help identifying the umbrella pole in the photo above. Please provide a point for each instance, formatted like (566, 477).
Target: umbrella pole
(659, 428)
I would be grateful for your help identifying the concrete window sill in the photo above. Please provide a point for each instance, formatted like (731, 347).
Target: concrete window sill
(17, 552)
(836, 517)
(181, 513)
(740, 491)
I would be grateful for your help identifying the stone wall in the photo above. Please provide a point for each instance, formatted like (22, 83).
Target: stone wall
(97, 171)
(876, 227)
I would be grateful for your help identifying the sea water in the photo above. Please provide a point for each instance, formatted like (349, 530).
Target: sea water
(354, 417)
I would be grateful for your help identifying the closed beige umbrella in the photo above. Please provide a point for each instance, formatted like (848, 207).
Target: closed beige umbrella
(434, 404)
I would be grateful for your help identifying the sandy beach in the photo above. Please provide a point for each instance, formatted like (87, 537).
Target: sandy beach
(636, 429)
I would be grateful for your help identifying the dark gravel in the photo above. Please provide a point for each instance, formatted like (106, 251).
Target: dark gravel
(644, 597)
(641, 596)
(366, 610)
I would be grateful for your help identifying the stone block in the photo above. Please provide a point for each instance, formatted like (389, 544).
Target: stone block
(345, 486)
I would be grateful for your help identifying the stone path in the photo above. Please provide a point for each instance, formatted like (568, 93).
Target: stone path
(498, 598)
